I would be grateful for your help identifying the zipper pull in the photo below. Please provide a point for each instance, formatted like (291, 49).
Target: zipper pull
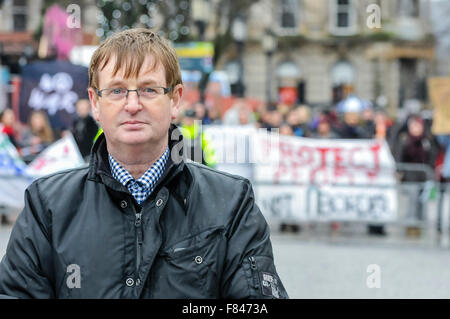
(254, 272)
(137, 223)
(252, 262)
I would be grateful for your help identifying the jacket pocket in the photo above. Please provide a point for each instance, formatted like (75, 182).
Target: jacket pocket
(193, 243)
(188, 268)
(263, 279)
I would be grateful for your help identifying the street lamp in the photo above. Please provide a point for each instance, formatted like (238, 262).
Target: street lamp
(200, 12)
(200, 15)
(269, 44)
(239, 33)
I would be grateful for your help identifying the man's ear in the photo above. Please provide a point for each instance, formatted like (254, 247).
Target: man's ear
(93, 98)
(177, 95)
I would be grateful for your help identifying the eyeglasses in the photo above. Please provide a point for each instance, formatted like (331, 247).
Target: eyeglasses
(118, 94)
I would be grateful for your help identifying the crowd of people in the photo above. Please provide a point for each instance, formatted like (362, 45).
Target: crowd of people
(410, 138)
(32, 138)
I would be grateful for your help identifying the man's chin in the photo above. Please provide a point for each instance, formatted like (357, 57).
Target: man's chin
(131, 138)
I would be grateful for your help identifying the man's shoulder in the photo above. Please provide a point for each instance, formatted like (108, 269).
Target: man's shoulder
(202, 173)
(62, 180)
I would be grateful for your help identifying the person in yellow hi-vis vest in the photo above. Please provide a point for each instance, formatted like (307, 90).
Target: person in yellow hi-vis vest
(198, 147)
(99, 132)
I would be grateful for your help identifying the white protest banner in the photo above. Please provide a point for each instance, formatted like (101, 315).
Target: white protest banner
(299, 203)
(356, 202)
(326, 161)
(12, 181)
(12, 190)
(62, 154)
(10, 161)
(302, 179)
(324, 180)
(282, 203)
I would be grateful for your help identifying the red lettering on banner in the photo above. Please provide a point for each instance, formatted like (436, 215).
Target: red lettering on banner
(40, 163)
(291, 160)
(306, 160)
(305, 156)
(322, 165)
(285, 156)
(375, 149)
(285, 150)
(340, 169)
(331, 163)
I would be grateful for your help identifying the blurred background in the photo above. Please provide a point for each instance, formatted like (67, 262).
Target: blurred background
(356, 93)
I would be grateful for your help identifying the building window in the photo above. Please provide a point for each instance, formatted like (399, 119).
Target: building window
(234, 72)
(343, 73)
(408, 8)
(19, 15)
(289, 15)
(290, 84)
(343, 80)
(343, 17)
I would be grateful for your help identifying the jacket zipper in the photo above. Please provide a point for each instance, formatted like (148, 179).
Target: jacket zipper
(254, 269)
(138, 225)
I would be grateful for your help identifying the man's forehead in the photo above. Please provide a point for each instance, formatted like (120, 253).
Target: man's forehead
(150, 70)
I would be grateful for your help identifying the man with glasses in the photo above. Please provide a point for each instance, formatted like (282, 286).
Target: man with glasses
(139, 221)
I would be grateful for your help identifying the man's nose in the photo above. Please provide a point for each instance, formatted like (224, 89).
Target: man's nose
(133, 104)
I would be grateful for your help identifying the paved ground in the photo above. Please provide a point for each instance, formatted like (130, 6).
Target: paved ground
(339, 269)
(336, 265)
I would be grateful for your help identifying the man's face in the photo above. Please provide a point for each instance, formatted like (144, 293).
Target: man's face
(135, 121)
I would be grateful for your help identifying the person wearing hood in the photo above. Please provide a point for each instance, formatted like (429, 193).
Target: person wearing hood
(415, 147)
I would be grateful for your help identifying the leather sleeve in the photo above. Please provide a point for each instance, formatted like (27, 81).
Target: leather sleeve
(249, 270)
(28, 253)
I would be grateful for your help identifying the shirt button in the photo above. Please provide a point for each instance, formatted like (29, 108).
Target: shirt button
(123, 204)
(138, 282)
(198, 260)
(129, 282)
(159, 202)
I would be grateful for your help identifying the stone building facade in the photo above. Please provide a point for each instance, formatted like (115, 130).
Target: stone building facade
(325, 48)
(328, 48)
(21, 19)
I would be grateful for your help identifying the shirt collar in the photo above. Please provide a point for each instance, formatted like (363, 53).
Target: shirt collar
(148, 179)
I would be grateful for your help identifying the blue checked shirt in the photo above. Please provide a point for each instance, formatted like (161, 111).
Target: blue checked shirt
(142, 187)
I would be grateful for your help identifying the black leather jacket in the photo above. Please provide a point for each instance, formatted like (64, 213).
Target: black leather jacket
(82, 235)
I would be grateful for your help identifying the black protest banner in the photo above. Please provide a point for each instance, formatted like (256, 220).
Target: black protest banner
(55, 87)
